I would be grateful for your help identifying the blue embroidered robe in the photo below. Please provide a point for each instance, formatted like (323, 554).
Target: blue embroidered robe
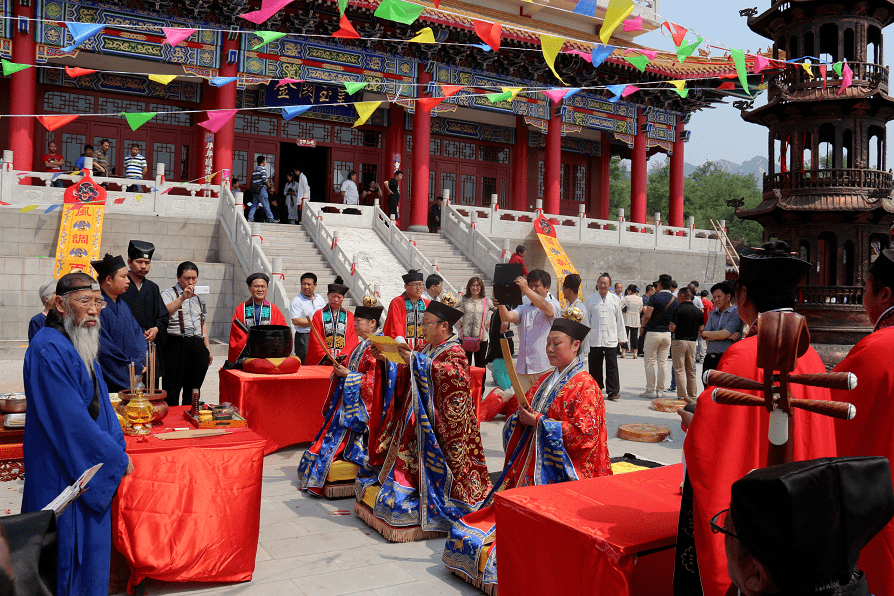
(121, 341)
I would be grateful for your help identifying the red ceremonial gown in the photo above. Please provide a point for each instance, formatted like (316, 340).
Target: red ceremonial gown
(726, 442)
(238, 337)
(396, 322)
(870, 434)
(342, 342)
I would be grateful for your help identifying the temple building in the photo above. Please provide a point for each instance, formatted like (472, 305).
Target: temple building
(521, 149)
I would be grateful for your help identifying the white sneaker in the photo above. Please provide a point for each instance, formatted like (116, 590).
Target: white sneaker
(659, 394)
(647, 394)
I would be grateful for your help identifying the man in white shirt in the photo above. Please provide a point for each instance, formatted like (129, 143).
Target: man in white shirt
(349, 192)
(606, 329)
(434, 285)
(303, 191)
(534, 321)
(302, 310)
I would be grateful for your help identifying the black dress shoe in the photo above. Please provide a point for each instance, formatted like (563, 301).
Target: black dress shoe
(613, 397)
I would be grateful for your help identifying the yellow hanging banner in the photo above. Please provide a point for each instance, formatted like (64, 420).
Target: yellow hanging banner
(80, 230)
(555, 253)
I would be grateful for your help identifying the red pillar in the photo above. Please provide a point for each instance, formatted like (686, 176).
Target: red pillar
(226, 100)
(552, 169)
(605, 175)
(520, 174)
(23, 88)
(638, 174)
(677, 177)
(421, 162)
(394, 141)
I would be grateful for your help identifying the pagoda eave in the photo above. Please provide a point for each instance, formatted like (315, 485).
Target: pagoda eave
(783, 12)
(879, 105)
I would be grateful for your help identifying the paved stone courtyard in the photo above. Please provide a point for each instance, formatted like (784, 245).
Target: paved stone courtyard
(315, 547)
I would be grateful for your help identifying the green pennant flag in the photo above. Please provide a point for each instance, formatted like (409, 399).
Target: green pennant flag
(739, 60)
(342, 6)
(138, 119)
(495, 97)
(354, 87)
(684, 50)
(267, 37)
(638, 61)
(11, 67)
(837, 67)
(399, 11)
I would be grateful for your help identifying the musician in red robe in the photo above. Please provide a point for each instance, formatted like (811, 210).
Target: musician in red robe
(257, 310)
(334, 325)
(723, 442)
(870, 432)
(405, 312)
(560, 436)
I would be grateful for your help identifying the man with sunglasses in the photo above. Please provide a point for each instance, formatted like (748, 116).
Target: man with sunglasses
(121, 339)
(71, 428)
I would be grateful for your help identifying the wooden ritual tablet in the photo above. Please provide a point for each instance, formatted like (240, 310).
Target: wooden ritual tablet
(643, 433)
(667, 405)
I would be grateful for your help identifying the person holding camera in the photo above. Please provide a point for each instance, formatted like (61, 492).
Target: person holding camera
(186, 354)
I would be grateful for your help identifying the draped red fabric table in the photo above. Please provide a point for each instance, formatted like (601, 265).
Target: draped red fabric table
(190, 511)
(288, 409)
(611, 535)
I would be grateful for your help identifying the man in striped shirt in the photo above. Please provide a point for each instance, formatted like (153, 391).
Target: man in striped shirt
(259, 185)
(135, 168)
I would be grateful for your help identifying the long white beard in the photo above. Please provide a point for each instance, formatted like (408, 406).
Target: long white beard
(85, 340)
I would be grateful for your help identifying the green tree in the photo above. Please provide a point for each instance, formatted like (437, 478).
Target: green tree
(658, 190)
(619, 188)
(709, 188)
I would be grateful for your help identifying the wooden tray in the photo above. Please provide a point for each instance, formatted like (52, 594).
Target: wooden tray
(237, 422)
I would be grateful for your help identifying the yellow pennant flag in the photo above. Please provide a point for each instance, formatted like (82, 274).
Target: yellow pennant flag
(28, 208)
(615, 14)
(365, 109)
(806, 66)
(163, 79)
(681, 88)
(551, 46)
(424, 36)
(513, 90)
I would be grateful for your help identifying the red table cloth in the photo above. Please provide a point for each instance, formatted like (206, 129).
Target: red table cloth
(288, 409)
(611, 535)
(190, 511)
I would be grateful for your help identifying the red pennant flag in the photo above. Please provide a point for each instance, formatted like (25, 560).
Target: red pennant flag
(437, 3)
(489, 33)
(347, 30)
(51, 123)
(730, 86)
(77, 71)
(428, 103)
(121, 200)
(823, 74)
(677, 32)
(449, 90)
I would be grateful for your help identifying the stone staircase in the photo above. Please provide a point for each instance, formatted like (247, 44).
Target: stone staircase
(299, 254)
(452, 263)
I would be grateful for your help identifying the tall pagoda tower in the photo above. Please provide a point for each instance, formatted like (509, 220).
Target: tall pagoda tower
(828, 190)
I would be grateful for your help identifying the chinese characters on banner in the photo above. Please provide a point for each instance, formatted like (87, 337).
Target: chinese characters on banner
(315, 94)
(80, 231)
(208, 159)
(555, 253)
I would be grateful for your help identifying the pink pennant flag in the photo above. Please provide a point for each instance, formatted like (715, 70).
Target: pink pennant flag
(650, 54)
(268, 9)
(555, 94)
(175, 35)
(760, 63)
(287, 81)
(217, 119)
(629, 90)
(847, 77)
(634, 24)
(585, 55)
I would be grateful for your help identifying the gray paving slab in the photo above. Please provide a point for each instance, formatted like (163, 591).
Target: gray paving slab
(307, 546)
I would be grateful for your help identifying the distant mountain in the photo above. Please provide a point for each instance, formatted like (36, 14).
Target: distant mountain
(757, 165)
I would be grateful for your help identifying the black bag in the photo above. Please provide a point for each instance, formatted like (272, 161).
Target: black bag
(33, 546)
(255, 189)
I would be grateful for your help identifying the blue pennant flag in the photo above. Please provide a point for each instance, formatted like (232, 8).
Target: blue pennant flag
(572, 91)
(81, 32)
(289, 112)
(221, 81)
(600, 53)
(586, 7)
(51, 207)
(616, 90)
(482, 46)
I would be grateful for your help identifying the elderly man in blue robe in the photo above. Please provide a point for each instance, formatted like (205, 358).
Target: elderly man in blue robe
(121, 339)
(71, 428)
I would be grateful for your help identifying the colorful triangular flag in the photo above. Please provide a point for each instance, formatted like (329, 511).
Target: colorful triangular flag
(268, 9)
(586, 7)
(512, 90)
(685, 50)
(600, 53)
(629, 90)
(677, 32)
(847, 77)
(11, 67)
(760, 63)
(217, 119)
(616, 91)
(286, 81)
(617, 11)
(27, 208)
(634, 24)
(342, 6)
(267, 37)
(556, 95)
(289, 112)
(365, 109)
(176, 35)
(551, 46)
(428, 103)
(162, 79)
(51, 123)
(823, 69)
(221, 81)
(739, 61)
(346, 29)
(490, 33)
(837, 67)
(353, 87)
(650, 54)
(399, 11)
(52, 207)
(81, 32)
(806, 66)
(680, 87)
(639, 62)
(77, 71)
(138, 119)
(495, 97)
(424, 36)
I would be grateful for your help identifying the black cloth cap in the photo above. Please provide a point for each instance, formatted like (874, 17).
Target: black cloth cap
(338, 289)
(137, 249)
(108, 265)
(882, 269)
(444, 312)
(255, 276)
(372, 313)
(808, 521)
(571, 328)
(412, 276)
(773, 263)
(75, 282)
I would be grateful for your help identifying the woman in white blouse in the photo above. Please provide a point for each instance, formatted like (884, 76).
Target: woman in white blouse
(473, 325)
(631, 306)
